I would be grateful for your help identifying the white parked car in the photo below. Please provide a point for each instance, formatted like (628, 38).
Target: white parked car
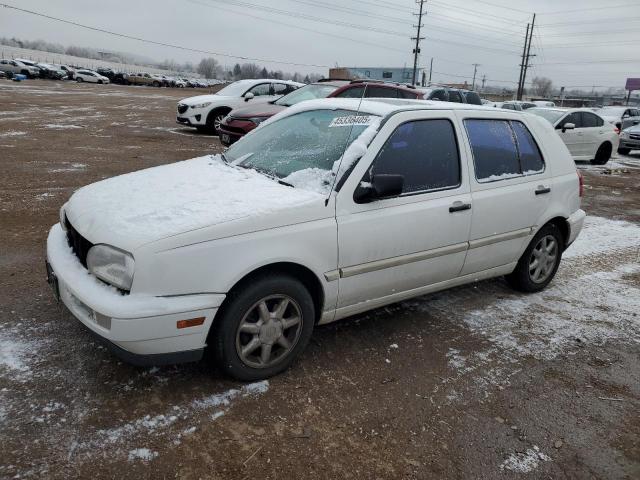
(586, 134)
(620, 116)
(629, 140)
(90, 76)
(16, 66)
(205, 112)
(543, 103)
(246, 252)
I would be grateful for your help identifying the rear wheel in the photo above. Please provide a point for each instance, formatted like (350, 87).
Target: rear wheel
(264, 327)
(79, 80)
(539, 262)
(624, 151)
(156, 84)
(602, 155)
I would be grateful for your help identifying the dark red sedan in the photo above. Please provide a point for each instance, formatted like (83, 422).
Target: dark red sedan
(242, 120)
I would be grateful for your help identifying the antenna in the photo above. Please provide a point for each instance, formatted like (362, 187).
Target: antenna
(346, 145)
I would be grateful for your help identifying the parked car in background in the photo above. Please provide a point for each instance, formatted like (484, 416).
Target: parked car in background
(242, 120)
(143, 79)
(516, 107)
(298, 224)
(447, 94)
(106, 72)
(620, 116)
(17, 67)
(32, 64)
(120, 78)
(90, 77)
(205, 112)
(629, 139)
(51, 71)
(71, 72)
(587, 135)
(543, 103)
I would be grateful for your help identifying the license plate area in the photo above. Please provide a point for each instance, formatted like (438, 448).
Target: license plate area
(224, 138)
(52, 280)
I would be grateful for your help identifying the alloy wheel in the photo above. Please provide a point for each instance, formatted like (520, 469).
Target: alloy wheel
(543, 259)
(269, 331)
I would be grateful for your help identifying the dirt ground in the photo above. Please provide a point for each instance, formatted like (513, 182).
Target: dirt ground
(476, 382)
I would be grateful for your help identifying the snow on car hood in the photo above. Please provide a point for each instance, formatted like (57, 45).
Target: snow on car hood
(140, 207)
(202, 99)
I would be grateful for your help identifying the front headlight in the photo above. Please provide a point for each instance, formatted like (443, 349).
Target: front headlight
(624, 134)
(63, 219)
(112, 265)
(201, 105)
(258, 120)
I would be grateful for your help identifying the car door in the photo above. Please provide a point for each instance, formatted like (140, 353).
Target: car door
(574, 138)
(390, 247)
(509, 188)
(593, 133)
(262, 92)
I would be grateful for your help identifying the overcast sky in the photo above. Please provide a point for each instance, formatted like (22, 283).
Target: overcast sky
(569, 34)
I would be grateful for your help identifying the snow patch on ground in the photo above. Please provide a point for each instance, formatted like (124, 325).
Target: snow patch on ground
(12, 353)
(143, 454)
(601, 235)
(525, 462)
(57, 126)
(12, 133)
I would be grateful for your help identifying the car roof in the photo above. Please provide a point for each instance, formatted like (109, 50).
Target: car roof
(333, 83)
(254, 81)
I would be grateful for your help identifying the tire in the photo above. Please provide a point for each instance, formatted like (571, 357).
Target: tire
(602, 155)
(213, 120)
(624, 151)
(156, 84)
(99, 82)
(523, 278)
(79, 79)
(240, 338)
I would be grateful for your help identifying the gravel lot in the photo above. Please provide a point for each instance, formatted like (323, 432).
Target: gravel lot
(477, 382)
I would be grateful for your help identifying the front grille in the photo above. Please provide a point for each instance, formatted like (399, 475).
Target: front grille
(634, 137)
(78, 243)
(182, 108)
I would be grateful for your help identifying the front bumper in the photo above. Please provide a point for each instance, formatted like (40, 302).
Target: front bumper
(629, 143)
(193, 118)
(140, 329)
(575, 221)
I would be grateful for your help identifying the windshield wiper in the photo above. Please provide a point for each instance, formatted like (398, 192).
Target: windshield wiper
(287, 184)
(267, 174)
(224, 158)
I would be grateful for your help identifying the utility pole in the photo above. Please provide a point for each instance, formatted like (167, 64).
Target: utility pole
(430, 70)
(475, 70)
(524, 53)
(417, 38)
(526, 64)
(484, 79)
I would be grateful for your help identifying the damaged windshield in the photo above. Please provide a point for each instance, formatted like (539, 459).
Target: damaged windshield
(301, 148)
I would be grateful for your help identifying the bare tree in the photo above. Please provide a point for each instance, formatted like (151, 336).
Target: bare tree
(208, 67)
(542, 86)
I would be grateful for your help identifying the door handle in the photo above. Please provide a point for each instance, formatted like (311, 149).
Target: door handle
(542, 189)
(459, 207)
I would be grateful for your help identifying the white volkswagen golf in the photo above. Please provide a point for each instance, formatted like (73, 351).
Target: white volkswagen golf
(331, 208)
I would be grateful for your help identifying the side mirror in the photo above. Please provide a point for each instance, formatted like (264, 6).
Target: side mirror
(248, 96)
(381, 186)
(636, 122)
(568, 126)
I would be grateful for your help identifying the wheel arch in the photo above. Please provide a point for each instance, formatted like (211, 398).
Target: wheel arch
(563, 225)
(303, 274)
(220, 109)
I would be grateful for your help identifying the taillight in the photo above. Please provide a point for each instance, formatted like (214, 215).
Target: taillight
(617, 130)
(581, 183)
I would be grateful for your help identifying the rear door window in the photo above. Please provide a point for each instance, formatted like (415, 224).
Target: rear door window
(473, 98)
(405, 94)
(261, 90)
(589, 120)
(374, 91)
(454, 96)
(424, 152)
(502, 149)
(439, 95)
(495, 153)
(355, 92)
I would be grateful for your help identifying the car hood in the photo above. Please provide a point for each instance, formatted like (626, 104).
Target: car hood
(263, 110)
(205, 193)
(202, 99)
(635, 129)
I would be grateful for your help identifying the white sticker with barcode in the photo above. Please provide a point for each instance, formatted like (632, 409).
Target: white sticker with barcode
(350, 120)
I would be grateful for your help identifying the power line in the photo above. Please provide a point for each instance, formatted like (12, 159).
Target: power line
(608, 7)
(599, 21)
(360, 13)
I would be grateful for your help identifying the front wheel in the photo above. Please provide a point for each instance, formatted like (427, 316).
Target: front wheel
(264, 327)
(79, 80)
(539, 262)
(602, 155)
(624, 151)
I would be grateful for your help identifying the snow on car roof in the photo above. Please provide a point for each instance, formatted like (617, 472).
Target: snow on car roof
(253, 81)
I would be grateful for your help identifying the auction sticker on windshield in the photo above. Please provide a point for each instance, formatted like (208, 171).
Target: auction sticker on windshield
(350, 120)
